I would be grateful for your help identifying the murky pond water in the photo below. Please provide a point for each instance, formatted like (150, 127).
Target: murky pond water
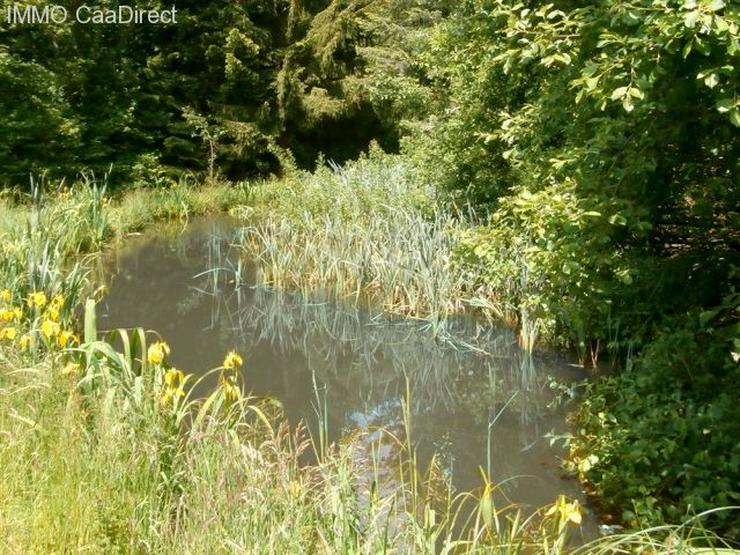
(360, 361)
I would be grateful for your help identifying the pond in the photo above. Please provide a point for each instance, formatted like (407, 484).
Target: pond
(476, 399)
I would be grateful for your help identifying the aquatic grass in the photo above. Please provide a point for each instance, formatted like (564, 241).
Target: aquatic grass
(689, 538)
(367, 232)
(183, 200)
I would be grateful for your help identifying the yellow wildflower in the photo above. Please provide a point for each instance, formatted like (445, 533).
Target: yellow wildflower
(567, 512)
(53, 313)
(25, 341)
(50, 329)
(67, 337)
(232, 360)
(174, 377)
(9, 314)
(57, 301)
(166, 396)
(5, 295)
(37, 298)
(7, 333)
(157, 352)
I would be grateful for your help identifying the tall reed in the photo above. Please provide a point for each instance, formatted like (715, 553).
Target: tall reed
(366, 231)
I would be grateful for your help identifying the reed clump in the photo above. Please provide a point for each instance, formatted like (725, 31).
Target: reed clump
(366, 231)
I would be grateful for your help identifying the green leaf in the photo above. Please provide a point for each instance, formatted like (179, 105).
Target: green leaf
(627, 103)
(735, 118)
(91, 329)
(720, 24)
(706, 316)
(619, 93)
(617, 219)
(711, 80)
(691, 18)
(725, 105)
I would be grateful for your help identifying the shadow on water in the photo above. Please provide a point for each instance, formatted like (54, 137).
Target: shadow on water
(190, 286)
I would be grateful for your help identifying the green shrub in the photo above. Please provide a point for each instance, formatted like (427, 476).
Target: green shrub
(660, 440)
(546, 256)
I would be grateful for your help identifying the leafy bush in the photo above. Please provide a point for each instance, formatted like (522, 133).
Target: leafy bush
(661, 439)
(547, 258)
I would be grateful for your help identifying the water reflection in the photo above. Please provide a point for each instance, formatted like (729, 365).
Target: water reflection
(194, 290)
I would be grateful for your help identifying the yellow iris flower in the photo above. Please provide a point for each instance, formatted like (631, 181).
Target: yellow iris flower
(7, 333)
(157, 352)
(25, 341)
(174, 380)
(174, 377)
(232, 360)
(50, 329)
(567, 512)
(53, 313)
(67, 337)
(37, 298)
(229, 387)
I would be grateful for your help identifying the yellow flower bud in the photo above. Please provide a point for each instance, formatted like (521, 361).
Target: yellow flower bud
(232, 360)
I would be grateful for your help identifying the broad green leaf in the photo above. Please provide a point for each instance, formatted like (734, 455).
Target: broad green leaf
(619, 93)
(735, 117)
(691, 18)
(725, 105)
(91, 329)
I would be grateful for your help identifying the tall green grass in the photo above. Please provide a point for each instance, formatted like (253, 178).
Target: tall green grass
(367, 232)
(97, 459)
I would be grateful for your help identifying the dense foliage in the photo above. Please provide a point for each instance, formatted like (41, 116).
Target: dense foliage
(228, 89)
(605, 139)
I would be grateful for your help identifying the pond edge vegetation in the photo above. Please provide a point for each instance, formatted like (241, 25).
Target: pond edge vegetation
(97, 398)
